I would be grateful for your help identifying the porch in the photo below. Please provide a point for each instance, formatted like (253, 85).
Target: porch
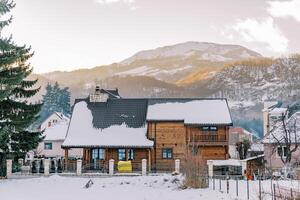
(97, 159)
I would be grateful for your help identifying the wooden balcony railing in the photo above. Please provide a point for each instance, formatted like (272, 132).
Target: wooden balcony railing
(208, 138)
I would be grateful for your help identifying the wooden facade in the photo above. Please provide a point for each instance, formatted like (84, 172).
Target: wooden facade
(183, 140)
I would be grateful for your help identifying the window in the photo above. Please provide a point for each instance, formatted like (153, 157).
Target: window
(130, 154)
(205, 128)
(121, 154)
(167, 153)
(49, 124)
(281, 151)
(48, 145)
(209, 128)
(98, 154)
(213, 128)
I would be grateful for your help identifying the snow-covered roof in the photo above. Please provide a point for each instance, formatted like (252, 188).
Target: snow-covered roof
(278, 111)
(82, 132)
(229, 162)
(254, 157)
(57, 131)
(257, 147)
(278, 134)
(201, 111)
(59, 115)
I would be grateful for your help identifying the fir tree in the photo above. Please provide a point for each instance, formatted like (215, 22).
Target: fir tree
(16, 114)
(56, 99)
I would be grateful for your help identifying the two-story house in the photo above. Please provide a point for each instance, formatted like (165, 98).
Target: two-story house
(160, 130)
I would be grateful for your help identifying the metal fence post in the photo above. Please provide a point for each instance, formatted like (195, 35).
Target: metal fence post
(259, 185)
(227, 185)
(237, 187)
(248, 189)
(213, 183)
(220, 184)
(274, 192)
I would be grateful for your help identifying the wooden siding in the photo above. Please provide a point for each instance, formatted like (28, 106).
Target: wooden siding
(185, 139)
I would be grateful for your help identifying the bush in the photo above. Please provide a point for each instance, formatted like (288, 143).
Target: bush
(195, 172)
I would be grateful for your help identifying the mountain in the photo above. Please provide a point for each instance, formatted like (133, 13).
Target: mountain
(165, 71)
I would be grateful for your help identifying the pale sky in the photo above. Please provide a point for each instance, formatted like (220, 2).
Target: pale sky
(72, 34)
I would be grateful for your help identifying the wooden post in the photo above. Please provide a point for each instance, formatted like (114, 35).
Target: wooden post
(144, 167)
(149, 160)
(84, 156)
(66, 158)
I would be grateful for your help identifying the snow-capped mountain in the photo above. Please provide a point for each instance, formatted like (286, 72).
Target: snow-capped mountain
(172, 63)
(199, 50)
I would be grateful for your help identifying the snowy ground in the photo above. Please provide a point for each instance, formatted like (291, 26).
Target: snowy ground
(131, 188)
(163, 187)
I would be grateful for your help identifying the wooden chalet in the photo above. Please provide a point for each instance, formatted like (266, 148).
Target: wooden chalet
(107, 126)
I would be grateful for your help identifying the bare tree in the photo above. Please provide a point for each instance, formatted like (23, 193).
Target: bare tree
(285, 137)
(242, 148)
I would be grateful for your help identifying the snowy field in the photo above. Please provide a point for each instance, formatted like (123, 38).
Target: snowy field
(163, 187)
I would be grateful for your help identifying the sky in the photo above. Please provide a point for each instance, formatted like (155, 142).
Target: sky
(71, 34)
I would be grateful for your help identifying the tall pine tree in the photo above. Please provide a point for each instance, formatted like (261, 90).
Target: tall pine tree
(16, 114)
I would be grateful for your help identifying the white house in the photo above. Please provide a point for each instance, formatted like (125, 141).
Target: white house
(55, 128)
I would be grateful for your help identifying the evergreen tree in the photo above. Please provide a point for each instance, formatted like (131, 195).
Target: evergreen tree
(56, 99)
(16, 114)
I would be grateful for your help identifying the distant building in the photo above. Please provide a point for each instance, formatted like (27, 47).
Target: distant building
(237, 134)
(272, 150)
(271, 114)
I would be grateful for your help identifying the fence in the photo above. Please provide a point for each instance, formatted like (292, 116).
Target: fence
(281, 192)
(47, 166)
(258, 189)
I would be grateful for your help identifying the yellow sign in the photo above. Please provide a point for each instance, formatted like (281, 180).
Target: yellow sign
(124, 167)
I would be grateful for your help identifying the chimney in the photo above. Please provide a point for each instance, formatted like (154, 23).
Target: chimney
(97, 96)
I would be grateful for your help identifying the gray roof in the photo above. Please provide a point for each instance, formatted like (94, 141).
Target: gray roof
(132, 112)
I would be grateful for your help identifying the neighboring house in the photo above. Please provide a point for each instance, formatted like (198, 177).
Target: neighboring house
(237, 134)
(161, 130)
(55, 130)
(272, 151)
(271, 114)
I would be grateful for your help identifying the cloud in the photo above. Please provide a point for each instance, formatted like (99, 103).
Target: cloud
(130, 3)
(263, 31)
(285, 9)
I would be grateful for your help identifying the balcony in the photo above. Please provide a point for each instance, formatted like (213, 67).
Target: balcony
(208, 139)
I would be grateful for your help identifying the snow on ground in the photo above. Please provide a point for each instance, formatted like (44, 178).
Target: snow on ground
(56, 187)
(160, 187)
